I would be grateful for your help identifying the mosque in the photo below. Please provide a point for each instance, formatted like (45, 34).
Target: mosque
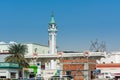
(56, 63)
(46, 61)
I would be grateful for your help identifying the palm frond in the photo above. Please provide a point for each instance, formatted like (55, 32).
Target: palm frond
(17, 54)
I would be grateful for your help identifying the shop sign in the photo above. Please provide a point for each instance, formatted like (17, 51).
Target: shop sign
(9, 65)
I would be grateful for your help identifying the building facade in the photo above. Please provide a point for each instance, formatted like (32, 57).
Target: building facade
(32, 48)
(9, 70)
(112, 57)
(110, 64)
(47, 61)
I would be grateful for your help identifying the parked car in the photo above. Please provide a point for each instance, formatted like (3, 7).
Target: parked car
(64, 77)
(107, 75)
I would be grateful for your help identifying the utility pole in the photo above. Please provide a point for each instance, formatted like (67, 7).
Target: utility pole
(86, 66)
(86, 72)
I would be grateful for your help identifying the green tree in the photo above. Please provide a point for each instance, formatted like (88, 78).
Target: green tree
(17, 55)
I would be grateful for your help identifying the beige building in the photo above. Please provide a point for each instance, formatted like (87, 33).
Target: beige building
(32, 48)
(36, 49)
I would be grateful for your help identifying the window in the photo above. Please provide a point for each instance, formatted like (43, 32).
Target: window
(13, 75)
(103, 62)
(111, 61)
(68, 72)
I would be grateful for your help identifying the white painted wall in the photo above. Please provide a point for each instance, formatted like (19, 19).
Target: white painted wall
(31, 48)
(3, 56)
(36, 48)
(52, 38)
(111, 57)
(6, 72)
(3, 72)
(4, 48)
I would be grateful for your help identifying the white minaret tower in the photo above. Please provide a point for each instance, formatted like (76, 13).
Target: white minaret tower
(52, 30)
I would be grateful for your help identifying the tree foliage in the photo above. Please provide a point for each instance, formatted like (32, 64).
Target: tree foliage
(17, 54)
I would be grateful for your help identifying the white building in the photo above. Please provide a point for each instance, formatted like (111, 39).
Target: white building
(36, 49)
(112, 57)
(9, 70)
(32, 48)
(110, 64)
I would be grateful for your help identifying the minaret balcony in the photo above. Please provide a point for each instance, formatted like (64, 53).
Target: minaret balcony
(52, 30)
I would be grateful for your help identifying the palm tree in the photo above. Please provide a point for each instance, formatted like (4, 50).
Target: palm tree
(17, 55)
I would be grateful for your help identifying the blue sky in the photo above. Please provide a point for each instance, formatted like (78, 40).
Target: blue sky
(79, 22)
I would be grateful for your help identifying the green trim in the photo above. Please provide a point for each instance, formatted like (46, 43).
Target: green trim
(8, 65)
(35, 69)
(8, 68)
(52, 19)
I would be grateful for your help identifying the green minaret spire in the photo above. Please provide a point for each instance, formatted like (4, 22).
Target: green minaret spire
(52, 19)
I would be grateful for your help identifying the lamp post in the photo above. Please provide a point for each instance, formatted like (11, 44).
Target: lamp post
(86, 66)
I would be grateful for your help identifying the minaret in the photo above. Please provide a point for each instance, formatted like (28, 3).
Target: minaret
(52, 30)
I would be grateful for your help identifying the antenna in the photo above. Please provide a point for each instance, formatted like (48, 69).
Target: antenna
(96, 46)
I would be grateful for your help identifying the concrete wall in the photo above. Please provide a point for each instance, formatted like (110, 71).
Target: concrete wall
(113, 57)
